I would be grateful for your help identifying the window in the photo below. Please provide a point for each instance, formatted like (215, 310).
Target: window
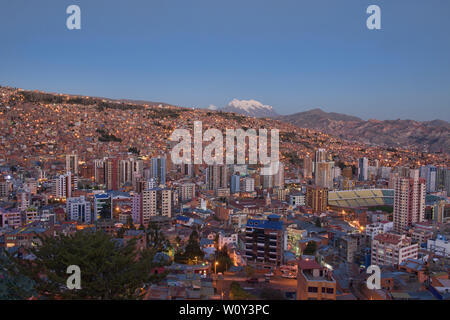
(312, 289)
(330, 290)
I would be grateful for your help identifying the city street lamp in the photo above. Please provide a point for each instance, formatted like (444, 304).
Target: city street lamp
(215, 267)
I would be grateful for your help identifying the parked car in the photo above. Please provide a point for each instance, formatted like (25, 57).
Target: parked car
(252, 280)
(288, 275)
(269, 274)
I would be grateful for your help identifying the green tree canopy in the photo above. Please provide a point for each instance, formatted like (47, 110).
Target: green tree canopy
(192, 251)
(156, 238)
(13, 284)
(130, 224)
(318, 223)
(224, 260)
(310, 248)
(105, 211)
(249, 271)
(271, 294)
(237, 293)
(109, 270)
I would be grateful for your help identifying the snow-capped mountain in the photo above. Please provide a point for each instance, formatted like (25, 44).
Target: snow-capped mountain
(250, 108)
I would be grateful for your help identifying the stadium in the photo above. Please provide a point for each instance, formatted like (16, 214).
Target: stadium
(360, 198)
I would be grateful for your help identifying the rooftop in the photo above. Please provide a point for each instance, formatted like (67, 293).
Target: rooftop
(265, 224)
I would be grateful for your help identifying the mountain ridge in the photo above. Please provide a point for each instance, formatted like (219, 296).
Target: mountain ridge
(251, 108)
(433, 136)
(428, 136)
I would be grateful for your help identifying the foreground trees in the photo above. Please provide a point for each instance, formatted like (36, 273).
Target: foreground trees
(109, 268)
(13, 285)
(310, 249)
(192, 253)
(223, 259)
(237, 293)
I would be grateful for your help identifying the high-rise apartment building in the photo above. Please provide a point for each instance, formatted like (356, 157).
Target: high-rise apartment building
(317, 198)
(307, 167)
(278, 178)
(129, 169)
(23, 200)
(216, 176)
(409, 201)
(429, 173)
(248, 184)
(443, 179)
(159, 170)
(99, 171)
(187, 191)
(321, 155)
(78, 209)
(150, 203)
(187, 169)
(5, 187)
(323, 174)
(103, 206)
(267, 181)
(264, 242)
(363, 169)
(64, 184)
(235, 183)
(72, 163)
(112, 174)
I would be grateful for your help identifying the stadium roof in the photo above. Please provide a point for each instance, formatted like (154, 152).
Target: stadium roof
(361, 198)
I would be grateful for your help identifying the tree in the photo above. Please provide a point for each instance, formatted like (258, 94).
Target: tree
(105, 211)
(223, 259)
(130, 224)
(237, 293)
(156, 238)
(13, 284)
(216, 241)
(192, 251)
(310, 248)
(427, 273)
(134, 150)
(318, 223)
(271, 294)
(249, 271)
(109, 270)
(178, 241)
(121, 232)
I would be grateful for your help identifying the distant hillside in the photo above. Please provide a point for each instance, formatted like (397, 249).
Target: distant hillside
(317, 116)
(433, 136)
(428, 136)
(49, 97)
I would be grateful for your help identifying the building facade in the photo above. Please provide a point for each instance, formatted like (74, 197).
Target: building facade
(264, 242)
(392, 249)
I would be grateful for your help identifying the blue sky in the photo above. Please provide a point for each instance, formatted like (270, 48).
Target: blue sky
(294, 55)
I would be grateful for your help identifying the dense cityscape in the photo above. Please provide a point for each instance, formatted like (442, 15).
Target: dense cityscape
(90, 182)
